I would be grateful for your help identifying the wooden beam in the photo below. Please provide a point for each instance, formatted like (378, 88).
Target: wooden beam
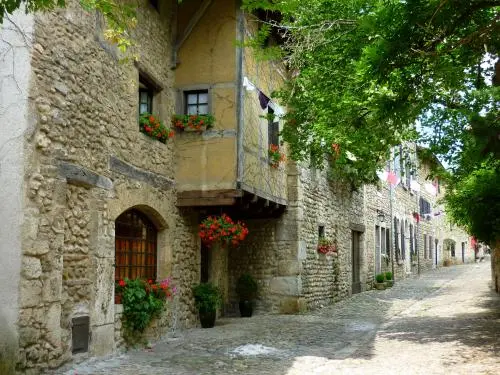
(204, 202)
(192, 23)
(219, 193)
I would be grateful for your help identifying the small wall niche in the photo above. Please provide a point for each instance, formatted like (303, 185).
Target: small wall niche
(80, 334)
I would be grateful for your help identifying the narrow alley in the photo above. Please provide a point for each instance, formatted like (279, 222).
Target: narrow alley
(445, 322)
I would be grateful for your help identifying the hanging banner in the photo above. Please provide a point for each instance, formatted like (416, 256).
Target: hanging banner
(249, 86)
(382, 175)
(393, 179)
(414, 185)
(430, 188)
(263, 100)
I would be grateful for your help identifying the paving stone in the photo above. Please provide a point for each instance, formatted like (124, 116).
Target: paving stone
(446, 322)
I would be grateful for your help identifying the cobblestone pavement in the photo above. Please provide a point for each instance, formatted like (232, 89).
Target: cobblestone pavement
(446, 322)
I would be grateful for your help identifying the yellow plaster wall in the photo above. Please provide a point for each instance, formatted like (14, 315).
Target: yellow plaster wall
(208, 58)
(267, 76)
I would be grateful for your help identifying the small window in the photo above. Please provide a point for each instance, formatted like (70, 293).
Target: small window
(196, 102)
(154, 4)
(383, 243)
(146, 94)
(273, 130)
(321, 231)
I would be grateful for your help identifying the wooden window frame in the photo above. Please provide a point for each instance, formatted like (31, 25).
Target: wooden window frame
(186, 93)
(135, 256)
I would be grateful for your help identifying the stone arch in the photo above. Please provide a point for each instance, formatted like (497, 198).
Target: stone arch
(156, 208)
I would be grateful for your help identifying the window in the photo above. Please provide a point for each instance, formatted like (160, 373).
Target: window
(154, 4)
(135, 246)
(397, 162)
(412, 248)
(425, 246)
(196, 102)
(407, 162)
(431, 242)
(377, 239)
(425, 206)
(403, 241)
(388, 241)
(146, 93)
(273, 128)
(321, 231)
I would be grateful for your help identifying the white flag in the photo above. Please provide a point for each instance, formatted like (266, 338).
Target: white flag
(430, 188)
(414, 185)
(382, 175)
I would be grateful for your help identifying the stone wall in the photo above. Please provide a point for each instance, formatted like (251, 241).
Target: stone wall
(337, 208)
(85, 164)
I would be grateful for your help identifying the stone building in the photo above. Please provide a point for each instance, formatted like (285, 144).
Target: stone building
(87, 198)
(421, 236)
(78, 176)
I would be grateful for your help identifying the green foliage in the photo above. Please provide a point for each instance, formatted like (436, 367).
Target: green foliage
(120, 15)
(388, 276)
(246, 287)
(207, 297)
(473, 201)
(380, 278)
(365, 72)
(142, 301)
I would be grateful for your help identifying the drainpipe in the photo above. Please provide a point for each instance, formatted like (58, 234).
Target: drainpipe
(240, 36)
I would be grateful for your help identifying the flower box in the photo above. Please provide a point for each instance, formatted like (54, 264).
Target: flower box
(192, 123)
(154, 128)
(275, 155)
(327, 247)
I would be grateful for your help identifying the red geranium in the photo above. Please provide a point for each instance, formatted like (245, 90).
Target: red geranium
(222, 229)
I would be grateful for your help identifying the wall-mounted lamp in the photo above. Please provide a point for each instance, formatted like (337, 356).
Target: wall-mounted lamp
(380, 215)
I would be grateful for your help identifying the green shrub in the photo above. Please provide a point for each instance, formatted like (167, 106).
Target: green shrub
(207, 297)
(388, 276)
(142, 301)
(380, 278)
(246, 287)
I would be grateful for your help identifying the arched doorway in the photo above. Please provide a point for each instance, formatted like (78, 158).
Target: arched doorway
(135, 246)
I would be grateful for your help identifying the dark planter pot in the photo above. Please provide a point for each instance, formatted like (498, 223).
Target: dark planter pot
(207, 318)
(246, 309)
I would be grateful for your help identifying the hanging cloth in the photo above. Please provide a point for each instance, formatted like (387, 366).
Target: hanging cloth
(263, 100)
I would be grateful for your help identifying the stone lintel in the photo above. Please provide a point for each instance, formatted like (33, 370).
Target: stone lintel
(153, 179)
(79, 175)
(357, 227)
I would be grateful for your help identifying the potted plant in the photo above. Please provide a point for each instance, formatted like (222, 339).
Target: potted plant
(222, 229)
(379, 281)
(246, 288)
(275, 155)
(142, 301)
(207, 298)
(389, 282)
(154, 128)
(194, 123)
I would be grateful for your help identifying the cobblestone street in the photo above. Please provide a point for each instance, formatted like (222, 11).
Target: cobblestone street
(446, 322)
